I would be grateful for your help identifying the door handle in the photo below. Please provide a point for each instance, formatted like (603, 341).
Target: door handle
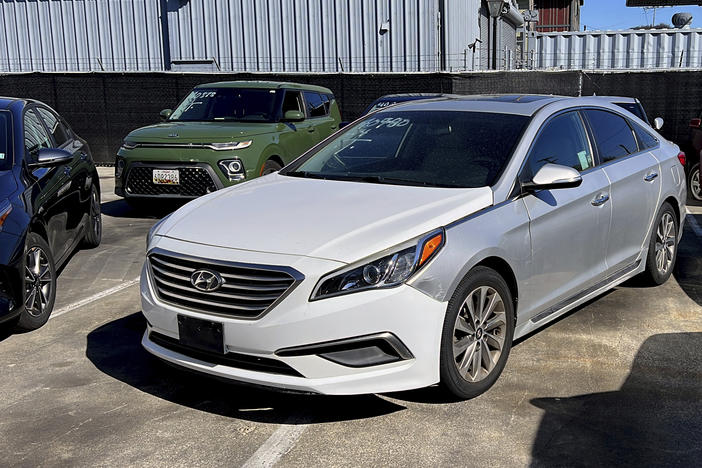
(600, 200)
(333, 127)
(651, 176)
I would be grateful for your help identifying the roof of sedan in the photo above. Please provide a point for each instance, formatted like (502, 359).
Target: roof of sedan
(520, 104)
(264, 85)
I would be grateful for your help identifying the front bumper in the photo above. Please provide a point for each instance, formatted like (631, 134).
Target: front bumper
(410, 316)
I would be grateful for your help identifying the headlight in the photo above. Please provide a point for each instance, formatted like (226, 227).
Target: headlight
(129, 145)
(119, 168)
(154, 230)
(233, 169)
(234, 145)
(384, 271)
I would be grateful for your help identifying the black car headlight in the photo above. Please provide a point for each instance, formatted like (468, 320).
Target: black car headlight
(385, 270)
(232, 168)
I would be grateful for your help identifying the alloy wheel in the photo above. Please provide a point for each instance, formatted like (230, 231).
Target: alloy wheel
(665, 243)
(37, 281)
(479, 333)
(95, 214)
(695, 187)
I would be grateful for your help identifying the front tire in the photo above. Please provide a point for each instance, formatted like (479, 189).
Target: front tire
(663, 247)
(694, 184)
(477, 334)
(39, 283)
(270, 167)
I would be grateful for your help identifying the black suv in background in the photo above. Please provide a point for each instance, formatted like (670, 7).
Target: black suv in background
(49, 204)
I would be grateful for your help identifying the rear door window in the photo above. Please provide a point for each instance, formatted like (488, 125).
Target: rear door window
(613, 135)
(58, 130)
(646, 140)
(35, 136)
(562, 141)
(315, 104)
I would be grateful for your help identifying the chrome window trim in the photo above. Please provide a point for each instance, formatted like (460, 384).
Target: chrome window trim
(296, 276)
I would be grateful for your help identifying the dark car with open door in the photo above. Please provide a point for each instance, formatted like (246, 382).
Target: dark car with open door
(49, 205)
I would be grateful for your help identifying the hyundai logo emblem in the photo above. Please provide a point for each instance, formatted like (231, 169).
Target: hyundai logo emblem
(206, 280)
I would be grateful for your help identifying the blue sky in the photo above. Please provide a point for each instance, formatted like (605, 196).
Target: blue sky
(614, 14)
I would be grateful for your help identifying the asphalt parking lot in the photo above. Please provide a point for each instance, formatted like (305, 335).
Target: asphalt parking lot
(617, 381)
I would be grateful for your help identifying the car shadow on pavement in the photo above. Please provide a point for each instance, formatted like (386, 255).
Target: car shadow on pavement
(115, 349)
(688, 265)
(654, 419)
(149, 210)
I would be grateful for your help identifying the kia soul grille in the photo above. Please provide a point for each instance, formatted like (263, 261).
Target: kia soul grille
(224, 289)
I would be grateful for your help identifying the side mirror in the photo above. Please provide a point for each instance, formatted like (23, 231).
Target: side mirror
(165, 113)
(293, 116)
(553, 176)
(49, 157)
(658, 123)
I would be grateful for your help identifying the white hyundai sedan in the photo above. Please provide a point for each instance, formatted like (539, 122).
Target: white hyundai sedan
(414, 246)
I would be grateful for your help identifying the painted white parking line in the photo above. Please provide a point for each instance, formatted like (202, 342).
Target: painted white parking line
(278, 444)
(93, 298)
(693, 223)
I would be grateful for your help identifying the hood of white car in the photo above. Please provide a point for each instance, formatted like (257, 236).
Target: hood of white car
(336, 220)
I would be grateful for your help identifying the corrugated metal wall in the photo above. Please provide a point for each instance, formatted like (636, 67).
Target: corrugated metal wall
(620, 50)
(306, 35)
(80, 35)
(238, 35)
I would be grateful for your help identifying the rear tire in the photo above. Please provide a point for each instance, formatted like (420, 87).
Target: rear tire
(270, 167)
(93, 234)
(694, 183)
(39, 284)
(477, 334)
(663, 247)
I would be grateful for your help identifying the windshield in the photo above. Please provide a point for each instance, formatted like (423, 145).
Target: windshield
(5, 135)
(428, 148)
(227, 104)
(634, 108)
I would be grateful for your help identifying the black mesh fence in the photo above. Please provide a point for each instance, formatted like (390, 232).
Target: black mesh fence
(104, 107)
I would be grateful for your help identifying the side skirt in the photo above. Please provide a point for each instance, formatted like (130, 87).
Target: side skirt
(562, 307)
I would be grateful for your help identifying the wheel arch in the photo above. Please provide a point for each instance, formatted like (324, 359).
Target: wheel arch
(505, 270)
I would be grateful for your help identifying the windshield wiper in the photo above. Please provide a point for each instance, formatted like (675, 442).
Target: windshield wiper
(305, 174)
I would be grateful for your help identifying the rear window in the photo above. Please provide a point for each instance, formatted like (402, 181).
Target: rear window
(437, 148)
(634, 108)
(613, 135)
(5, 136)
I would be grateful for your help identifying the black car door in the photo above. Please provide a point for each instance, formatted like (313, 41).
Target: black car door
(76, 191)
(48, 185)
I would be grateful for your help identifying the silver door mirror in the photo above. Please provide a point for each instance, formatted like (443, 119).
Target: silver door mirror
(658, 123)
(553, 176)
(165, 113)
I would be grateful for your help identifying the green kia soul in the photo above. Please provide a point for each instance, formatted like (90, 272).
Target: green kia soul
(221, 134)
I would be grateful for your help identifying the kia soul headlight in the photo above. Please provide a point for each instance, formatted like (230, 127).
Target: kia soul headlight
(385, 271)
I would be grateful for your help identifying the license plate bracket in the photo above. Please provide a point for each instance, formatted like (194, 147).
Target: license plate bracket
(166, 176)
(204, 335)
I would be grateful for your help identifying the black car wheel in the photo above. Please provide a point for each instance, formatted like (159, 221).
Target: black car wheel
(693, 183)
(39, 283)
(93, 234)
